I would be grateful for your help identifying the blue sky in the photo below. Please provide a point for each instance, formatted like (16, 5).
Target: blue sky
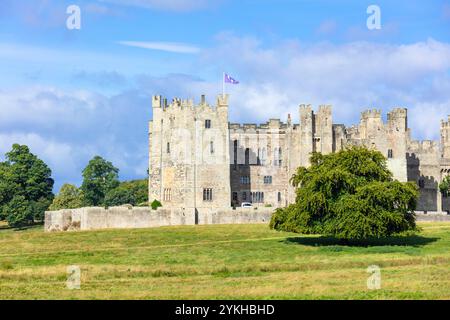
(72, 94)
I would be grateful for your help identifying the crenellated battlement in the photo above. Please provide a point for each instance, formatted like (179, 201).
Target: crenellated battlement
(325, 109)
(445, 124)
(179, 104)
(306, 108)
(271, 124)
(372, 113)
(397, 112)
(397, 119)
(424, 146)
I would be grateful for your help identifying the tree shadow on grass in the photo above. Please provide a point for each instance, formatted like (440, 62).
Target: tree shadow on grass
(323, 241)
(22, 228)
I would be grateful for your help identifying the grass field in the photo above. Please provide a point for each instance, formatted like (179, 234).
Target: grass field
(221, 261)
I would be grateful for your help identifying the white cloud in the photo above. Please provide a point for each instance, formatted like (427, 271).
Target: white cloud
(68, 128)
(352, 77)
(162, 46)
(60, 156)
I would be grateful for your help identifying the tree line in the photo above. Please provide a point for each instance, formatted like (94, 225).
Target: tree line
(26, 188)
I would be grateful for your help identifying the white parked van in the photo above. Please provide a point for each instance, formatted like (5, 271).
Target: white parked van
(246, 205)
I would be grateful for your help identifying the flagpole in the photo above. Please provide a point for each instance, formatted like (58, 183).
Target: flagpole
(223, 85)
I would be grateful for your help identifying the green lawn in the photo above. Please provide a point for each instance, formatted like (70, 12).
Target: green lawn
(221, 261)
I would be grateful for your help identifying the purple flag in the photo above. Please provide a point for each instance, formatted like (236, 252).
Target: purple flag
(229, 79)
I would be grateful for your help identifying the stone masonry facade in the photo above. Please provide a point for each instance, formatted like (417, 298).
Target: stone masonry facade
(198, 159)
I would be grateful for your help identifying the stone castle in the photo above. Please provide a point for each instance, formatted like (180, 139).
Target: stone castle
(199, 160)
(202, 168)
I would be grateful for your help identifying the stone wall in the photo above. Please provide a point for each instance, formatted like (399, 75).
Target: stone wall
(129, 217)
(132, 217)
(433, 217)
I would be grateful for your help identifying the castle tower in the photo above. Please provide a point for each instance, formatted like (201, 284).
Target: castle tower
(398, 119)
(371, 123)
(396, 143)
(445, 138)
(316, 132)
(155, 147)
(306, 134)
(323, 137)
(189, 153)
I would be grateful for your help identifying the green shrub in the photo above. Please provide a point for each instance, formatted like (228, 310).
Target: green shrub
(155, 204)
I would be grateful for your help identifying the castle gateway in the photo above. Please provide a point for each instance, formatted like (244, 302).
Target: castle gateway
(199, 160)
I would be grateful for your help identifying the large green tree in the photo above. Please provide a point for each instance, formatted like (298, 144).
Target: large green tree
(69, 197)
(349, 195)
(26, 179)
(99, 177)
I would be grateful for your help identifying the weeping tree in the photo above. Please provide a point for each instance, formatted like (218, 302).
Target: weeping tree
(349, 195)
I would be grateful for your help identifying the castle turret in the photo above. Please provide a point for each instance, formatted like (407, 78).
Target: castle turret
(155, 147)
(316, 131)
(222, 107)
(398, 119)
(445, 138)
(306, 133)
(370, 124)
(323, 138)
